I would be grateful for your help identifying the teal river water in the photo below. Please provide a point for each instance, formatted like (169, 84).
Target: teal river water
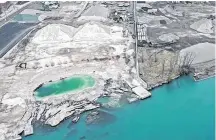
(181, 110)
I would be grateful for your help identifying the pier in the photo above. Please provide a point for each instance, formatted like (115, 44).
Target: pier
(140, 88)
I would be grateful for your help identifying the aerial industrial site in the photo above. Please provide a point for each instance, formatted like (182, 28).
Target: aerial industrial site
(61, 59)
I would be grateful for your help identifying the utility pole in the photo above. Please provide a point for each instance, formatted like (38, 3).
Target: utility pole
(135, 32)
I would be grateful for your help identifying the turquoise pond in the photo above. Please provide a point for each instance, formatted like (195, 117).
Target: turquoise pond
(26, 18)
(181, 110)
(72, 84)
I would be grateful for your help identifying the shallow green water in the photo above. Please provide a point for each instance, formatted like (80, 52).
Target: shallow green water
(74, 83)
(26, 17)
(182, 110)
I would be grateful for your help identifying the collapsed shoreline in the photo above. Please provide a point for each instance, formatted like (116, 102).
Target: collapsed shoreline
(70, 117)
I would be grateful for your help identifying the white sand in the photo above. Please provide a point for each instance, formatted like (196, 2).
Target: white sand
(202, 52)
(54, 33)
(203, 26)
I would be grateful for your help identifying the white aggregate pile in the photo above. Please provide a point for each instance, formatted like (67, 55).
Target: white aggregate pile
(48, 41)
(54, 33)
(202, 52)
(92, 32)
(203, 26)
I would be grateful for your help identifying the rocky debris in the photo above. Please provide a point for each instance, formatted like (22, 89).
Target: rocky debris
(12, 121)
(99, 118)
(114, 102)
(91, 106)
(56, 119)
(28, 130)
(116, 88)
(132, 99)
(12, 135)
(40, 111)
(55, 109)
(57, 114)
(75, 119)
(118, 92)
(54, 114)
(204, 70)
(93, 116)
(127, 86)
